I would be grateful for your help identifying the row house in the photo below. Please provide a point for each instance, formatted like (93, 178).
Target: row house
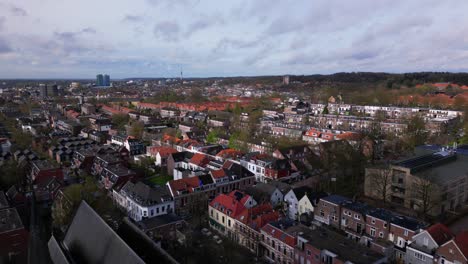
(454, 250)
(278, 244)
(317, 245)
(190, 191)
(266, 193)
(102, 161)
(141, 201)
(14, 237)
(315, 136)
(383, 231)
(249, 223)
(114, 175)
(353, 219)
(169, 113)
(422, 247)
(224, 209)
(44, 170)
(292, 199)
(265, 167)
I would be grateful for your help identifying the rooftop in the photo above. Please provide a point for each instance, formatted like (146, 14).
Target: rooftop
(146, 195)
(90, 240)
(9, 220)
(345, 249)
(45, 165)
(3, 201)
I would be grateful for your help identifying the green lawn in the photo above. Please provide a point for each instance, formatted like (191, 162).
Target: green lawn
(159, 179)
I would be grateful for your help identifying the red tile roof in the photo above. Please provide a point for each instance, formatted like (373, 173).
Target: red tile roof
(200, 159)
(218, 173)
(163, 151)
(229, 153)
(440, 233)
(462, 242)
(186, 184)
(227, 204)
(258, 216)
(280, 235)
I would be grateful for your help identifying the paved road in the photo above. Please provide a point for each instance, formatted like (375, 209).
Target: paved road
(39, 233)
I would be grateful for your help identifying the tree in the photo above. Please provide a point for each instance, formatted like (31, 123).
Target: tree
(120, 120)
(416, 132)
(325, 110)
(424, 193)
(64, 207)
(137, 129)
(379, 180)
(212, 137)
(11, 173)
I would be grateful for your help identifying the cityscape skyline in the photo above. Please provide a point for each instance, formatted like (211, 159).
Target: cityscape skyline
(241, 38)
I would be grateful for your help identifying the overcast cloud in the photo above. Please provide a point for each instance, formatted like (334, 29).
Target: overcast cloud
(158, 38)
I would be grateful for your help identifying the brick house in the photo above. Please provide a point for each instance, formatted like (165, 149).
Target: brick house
(249, 222)
(353, 219)
(278, 244)
(422, 247)
(454, 251)
(328, 210)
(43, 171)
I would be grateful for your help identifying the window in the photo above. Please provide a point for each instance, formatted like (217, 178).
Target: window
(357, 217)
(157, 210)
(152, 212)
(426, 241)
(229, 222)
(381, 234)
(385, 225)
(419, 256)
(222, 219)
(373, 221)
(406, 232)
(309, 253)
(372, 231)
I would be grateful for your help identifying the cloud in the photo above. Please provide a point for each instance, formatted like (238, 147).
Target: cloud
(89, 30)
(18, 11)
(132, 18)
(204, 23)
(167, 30)
(4, 47)
(2, 22)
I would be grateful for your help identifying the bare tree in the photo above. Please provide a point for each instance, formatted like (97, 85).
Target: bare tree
(425, 193)
(379, 181)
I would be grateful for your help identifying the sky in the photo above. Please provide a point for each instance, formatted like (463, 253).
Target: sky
(159, 38)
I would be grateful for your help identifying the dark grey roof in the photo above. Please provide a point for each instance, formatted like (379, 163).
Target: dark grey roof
(347, 250)
(408, 223)
(57, 255)
(90, 240)
(301, 191)
(423, 162)
(146, 195)
(357, 207)
(336, 199)
(3, 200)
(10, 220)
(181, 156)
